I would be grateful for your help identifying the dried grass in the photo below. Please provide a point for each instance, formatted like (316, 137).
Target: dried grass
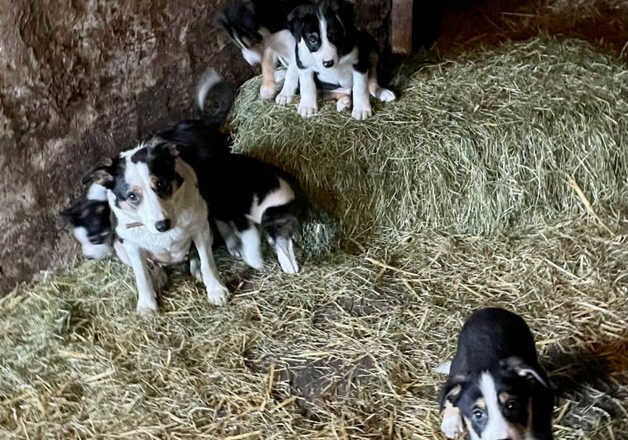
(346, 348)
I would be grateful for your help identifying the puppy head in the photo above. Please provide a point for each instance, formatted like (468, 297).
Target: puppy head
(92, 226)
(326, 30)
(144, 184)
(239, 19)
(281, 224)
(501, 404)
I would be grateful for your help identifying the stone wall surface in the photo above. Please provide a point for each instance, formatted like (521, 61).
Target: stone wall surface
(81, 80)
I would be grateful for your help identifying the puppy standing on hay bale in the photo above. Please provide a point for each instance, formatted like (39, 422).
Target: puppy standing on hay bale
(330, 51)
(496, 388)
(260, 29)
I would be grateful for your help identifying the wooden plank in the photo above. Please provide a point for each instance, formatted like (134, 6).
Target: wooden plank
(401, 26)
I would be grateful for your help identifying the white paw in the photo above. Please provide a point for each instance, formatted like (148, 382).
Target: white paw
(451, 426)
(284, 99)
(343, 103)
(217, 295)
(146, 308)
(386, 95)
(267, 92)
(255, 261)
(234, 250)
(361, 113)
(307, 110)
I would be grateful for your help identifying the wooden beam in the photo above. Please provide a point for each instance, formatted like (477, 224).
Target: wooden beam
(401, 26)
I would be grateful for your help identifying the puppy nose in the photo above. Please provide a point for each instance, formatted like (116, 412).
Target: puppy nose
(97, 240)
(163, 225)
(328, 63)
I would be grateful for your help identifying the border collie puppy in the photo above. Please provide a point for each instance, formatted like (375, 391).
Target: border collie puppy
(330, 51)
(244, 194)
(154, 196)
(90, 218)
(260, 29)
(496, 388)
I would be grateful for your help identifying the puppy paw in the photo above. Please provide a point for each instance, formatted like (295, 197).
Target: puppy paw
(254, 260)
(361, 113)
(284, 99)
(343, 103)
(267, 92)
(307, 110)
(217, 295)
(146, 308)
(386, 95)
(451, 426)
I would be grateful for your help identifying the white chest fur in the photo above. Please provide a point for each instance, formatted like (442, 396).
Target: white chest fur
(341, 73)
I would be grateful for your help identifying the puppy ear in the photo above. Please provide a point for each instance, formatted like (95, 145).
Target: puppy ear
(102, 175)
(520, 368)
(295, 24)
(167, 148)
(452, 390)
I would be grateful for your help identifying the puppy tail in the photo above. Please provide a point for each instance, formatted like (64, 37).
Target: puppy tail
(209, 79)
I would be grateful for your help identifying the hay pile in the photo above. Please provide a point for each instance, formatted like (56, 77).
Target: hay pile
(345, 349)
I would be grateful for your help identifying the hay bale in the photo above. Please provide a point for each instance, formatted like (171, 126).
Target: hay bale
(478, 145)
(346, 348)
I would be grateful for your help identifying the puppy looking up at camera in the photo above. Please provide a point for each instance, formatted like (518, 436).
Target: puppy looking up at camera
(332, 53)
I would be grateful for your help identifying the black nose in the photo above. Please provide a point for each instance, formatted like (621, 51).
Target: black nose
(96, 240)
(328, 63)
(163, 225)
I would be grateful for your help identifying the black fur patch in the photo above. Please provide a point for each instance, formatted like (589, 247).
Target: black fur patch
(94, 216)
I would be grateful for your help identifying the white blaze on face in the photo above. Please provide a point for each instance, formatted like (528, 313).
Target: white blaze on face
(151, 208)
(498, 427)
(327, 51)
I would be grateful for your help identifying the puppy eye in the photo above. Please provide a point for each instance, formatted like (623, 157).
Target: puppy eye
(161, 185)
(133, 197)
(512, 405)
(478, 414)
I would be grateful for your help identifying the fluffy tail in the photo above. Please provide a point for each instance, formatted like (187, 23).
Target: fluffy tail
(209, 79)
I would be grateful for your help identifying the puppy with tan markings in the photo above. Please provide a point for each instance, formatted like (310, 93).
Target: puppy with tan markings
(260, 30)
(496, 388)
(331, 53)
(154, 196)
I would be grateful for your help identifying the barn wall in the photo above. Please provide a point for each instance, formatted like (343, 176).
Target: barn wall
(81, 80)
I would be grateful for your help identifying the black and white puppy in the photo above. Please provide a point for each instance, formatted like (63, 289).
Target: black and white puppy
(496, 388)
(330, 51)
(160, 212)
(90, 218)
(244, 195)
(260, 29)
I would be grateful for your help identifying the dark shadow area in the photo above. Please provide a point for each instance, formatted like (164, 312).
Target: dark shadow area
(596, 377)
(457, 25)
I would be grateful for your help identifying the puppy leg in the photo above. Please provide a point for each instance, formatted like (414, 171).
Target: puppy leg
(251, 247)
(195, 269)
(216, 291)
(451, 425)
(343, 102)
(228, 234)
(290, 85)
(146, 298)
(267, 90)
(375, 89)
(308, 106)
(361, 101)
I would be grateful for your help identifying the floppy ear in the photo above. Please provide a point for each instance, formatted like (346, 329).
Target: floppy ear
(452, 389)
(520, 368)
(102, 175)
(294, 21)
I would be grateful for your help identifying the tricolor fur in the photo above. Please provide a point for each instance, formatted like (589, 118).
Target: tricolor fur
(260, 29)
(332, 53)
(496, 388)
(91, 222)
